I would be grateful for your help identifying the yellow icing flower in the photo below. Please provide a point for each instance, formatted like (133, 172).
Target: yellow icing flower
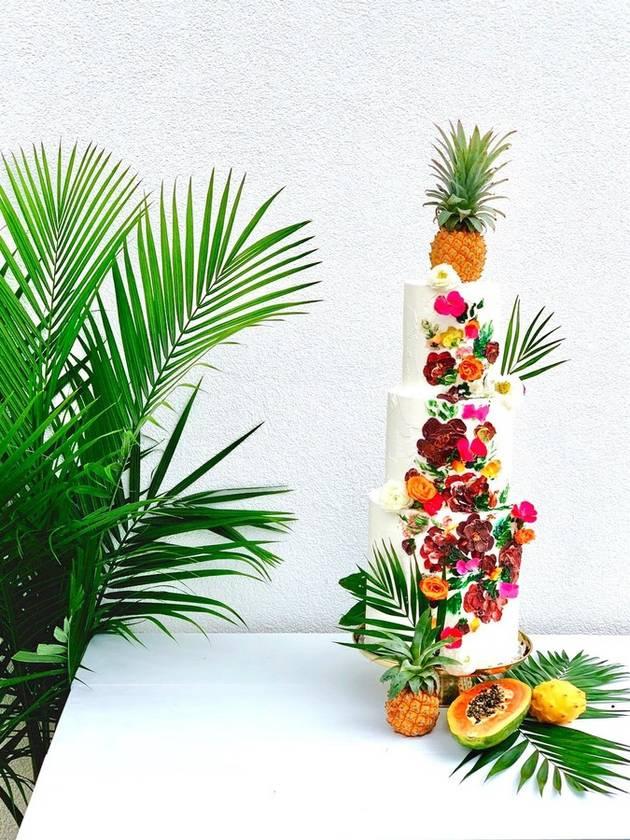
(492, 469)
(450, 337)
(434, 622)
(495, 574)
(474, 624)
(458, 467)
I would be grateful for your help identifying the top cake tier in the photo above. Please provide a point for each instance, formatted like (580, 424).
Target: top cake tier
(449, 343)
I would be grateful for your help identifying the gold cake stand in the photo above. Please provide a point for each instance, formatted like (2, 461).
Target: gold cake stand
(451, 685)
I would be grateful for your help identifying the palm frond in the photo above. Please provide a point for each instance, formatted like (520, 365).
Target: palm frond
(520, 355)
(186, 293)
(388, 600)
(556, 754)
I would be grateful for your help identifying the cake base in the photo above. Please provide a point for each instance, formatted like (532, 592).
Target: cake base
(450, 685)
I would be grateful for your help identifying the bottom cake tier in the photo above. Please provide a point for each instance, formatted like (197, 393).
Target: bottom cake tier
(467, 565)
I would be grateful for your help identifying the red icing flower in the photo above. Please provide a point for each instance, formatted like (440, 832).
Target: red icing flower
(437, 366)
(464, 489)
(510, 557)
(475, 535)
(439, 442)
(455, 634)
(436, 548)
(432, 505)
(492, 351)
(478, 601)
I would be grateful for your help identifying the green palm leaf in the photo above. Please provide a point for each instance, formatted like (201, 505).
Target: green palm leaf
(523, 351)
(384, 588)
(199, 290)
(583, 761)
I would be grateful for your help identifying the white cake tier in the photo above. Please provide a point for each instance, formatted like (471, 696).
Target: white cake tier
(449, 348)
(492, 625)
(408, 411)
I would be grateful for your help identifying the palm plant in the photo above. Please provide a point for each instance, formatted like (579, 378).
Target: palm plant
(94, 537)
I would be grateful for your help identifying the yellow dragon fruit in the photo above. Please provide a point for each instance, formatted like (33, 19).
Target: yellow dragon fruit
(557, 701)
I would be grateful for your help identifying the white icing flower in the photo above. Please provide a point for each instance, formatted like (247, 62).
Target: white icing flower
(508, 389)
(393, 496)
(478, 388)
(443, 277)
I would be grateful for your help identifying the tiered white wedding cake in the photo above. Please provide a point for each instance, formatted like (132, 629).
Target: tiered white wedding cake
(444, 506)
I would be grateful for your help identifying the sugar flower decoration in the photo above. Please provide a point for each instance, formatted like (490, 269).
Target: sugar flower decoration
(470, 450)
(525, 511)
(393, 496)
(443, 277)
(463, 566)
(508, 389)
(508, 590)
(475, 412)
(451, 304)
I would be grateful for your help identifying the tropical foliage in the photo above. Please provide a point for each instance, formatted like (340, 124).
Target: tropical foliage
(524, 348)
(95, 536)
(385, 603)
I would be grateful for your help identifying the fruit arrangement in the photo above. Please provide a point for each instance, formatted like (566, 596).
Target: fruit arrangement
(518, 720)
(463, 198)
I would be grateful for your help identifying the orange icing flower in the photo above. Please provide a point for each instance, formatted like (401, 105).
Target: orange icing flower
(474, 624)
(524, 535)
(470, 369)
(420, 488)
(495, 574)
(434, 588)
(492, 469)
(458, 467)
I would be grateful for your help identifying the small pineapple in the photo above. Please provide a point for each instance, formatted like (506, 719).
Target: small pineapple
(463, 198)
(557, 701)
(413, 704)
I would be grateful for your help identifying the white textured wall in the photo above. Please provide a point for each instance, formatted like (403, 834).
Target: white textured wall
(337, 101)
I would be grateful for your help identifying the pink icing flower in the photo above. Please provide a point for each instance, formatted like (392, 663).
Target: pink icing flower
(463, 566)
(508, 590)
(451, 304)
(471, 412)
(470, 451)
(463, 351)
(471, 330)
(455, 635)
(525, 511)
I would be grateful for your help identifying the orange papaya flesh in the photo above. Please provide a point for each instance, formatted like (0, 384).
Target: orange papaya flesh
(488, 712)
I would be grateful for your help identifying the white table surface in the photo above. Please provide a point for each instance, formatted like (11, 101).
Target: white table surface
(280, 736)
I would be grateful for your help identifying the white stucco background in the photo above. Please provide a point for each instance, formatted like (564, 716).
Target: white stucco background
(337, 101)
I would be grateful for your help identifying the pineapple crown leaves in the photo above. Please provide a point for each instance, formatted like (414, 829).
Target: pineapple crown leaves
(466, 169)
(416, 661)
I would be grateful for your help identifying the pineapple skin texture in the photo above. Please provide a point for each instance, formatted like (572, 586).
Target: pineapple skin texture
(464, 250)
(557, 701)
(413, 714)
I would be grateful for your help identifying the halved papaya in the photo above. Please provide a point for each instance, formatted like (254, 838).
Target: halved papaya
(488, 712)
